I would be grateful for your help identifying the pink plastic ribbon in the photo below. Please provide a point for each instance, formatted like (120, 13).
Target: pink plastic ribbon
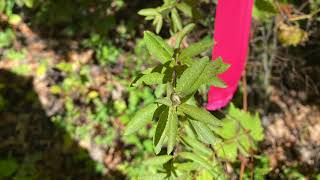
(231, 35)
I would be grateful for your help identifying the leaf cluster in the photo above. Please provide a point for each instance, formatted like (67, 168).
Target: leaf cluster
(188, 138)
(170, 12)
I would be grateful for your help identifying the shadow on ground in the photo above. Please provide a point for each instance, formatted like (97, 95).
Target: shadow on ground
(31, 146)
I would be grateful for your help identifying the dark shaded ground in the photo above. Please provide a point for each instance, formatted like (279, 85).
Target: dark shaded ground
(30, 144)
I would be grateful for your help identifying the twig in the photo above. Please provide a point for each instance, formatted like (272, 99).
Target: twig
(244, 162)
(245, 92)
(251, 167)
(211, 15)
(306, 16)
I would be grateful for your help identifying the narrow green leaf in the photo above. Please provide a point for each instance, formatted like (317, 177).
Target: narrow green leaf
(202, 71)
(182, 34)
(158, 160)
(158, 176)
(148, 12)
(187, 61)
(159, 24)
(172, 129)
(140, 119)
(185, 85)
(187, 166)
(197, 146)
(176, 19)
(160, 133)
(166, 2)
(165, 9)
(2, 6)
(266, 6)
(27, 3)
(196, 49)
(148, 79)
(148, 18)
(199, 114)
(165, 101)
(185, 8)
(204, 175)
(153, 78)
(158, 47)
(136, 79)
(199, 160)
(155, 21)
(204, 132)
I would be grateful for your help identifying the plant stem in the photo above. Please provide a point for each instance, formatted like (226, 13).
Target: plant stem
(245, 92)
(244, 162)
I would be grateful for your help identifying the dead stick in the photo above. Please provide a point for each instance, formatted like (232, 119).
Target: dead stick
(245, 92)
(243, 166)
(244, 161)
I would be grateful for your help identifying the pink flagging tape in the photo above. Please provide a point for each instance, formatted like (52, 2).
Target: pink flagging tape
(231, 35)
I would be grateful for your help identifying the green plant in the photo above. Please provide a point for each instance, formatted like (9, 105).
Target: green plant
(264, 9)
(23, 69)
(8, 167)
(106, 53)
(16, 55)
(7, 7)
(260, 170)
(188, 140)
(169, 12)
(6, 38)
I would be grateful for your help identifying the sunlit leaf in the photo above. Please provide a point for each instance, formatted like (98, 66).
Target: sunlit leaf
(264, 9)
(158, 160)
(204, 133)
(197, 146)
(176, 19)
(2, 6)
(196, 49)
(190, 77)
(158, 47)
(165, 101)
(158, 176)
(185, 8)
(202, 71)
(227, 151)
(187, 166)
(148, 12)
(159, 24)
(199, 160)
(199, 114)
(172, 129)
(248, 121)
(149, 79)
(182, 34)
(160, 133)
(229, 129)
(140, 119)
